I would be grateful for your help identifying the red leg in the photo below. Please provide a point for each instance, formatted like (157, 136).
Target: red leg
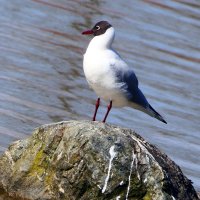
(108, 110)
(96, 108)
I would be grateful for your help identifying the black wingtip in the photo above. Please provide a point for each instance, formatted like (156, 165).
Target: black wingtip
(157, 115)
(164, 121)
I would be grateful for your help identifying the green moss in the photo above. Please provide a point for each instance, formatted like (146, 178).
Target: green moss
(147, 196)
(49, 179)
(137, 188)
(40, 163)
(40, 167)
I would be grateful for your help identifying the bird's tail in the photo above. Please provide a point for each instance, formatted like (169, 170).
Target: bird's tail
(155, 114)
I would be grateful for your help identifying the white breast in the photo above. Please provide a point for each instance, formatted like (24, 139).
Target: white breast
(99, 69)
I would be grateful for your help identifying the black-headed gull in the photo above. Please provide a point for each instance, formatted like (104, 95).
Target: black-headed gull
(109, 76)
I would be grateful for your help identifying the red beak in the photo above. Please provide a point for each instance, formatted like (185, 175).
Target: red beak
(89, 32)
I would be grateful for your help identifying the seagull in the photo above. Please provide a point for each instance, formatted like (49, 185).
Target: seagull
(109, 75)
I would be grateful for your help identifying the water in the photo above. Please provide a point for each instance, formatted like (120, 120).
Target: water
(42, 80)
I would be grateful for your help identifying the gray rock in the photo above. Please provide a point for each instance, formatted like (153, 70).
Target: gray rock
(89, 160)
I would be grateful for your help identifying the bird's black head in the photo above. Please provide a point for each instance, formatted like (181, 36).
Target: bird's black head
(98, 29)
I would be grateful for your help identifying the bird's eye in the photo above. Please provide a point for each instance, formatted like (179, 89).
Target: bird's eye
(97, 28)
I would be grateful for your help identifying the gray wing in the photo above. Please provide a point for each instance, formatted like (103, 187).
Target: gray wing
(130, 87)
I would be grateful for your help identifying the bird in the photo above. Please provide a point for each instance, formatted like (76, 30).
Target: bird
(110, 76)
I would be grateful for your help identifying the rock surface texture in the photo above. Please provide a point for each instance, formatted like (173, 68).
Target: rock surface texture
(89, 161)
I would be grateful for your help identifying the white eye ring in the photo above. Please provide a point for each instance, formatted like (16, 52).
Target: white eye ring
(98, 27)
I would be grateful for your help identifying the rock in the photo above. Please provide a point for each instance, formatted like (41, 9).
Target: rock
(89, 160)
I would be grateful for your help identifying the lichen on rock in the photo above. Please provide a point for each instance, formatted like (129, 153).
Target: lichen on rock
(89, 160)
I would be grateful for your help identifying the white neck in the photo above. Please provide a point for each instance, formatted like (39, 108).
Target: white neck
(103, 41)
